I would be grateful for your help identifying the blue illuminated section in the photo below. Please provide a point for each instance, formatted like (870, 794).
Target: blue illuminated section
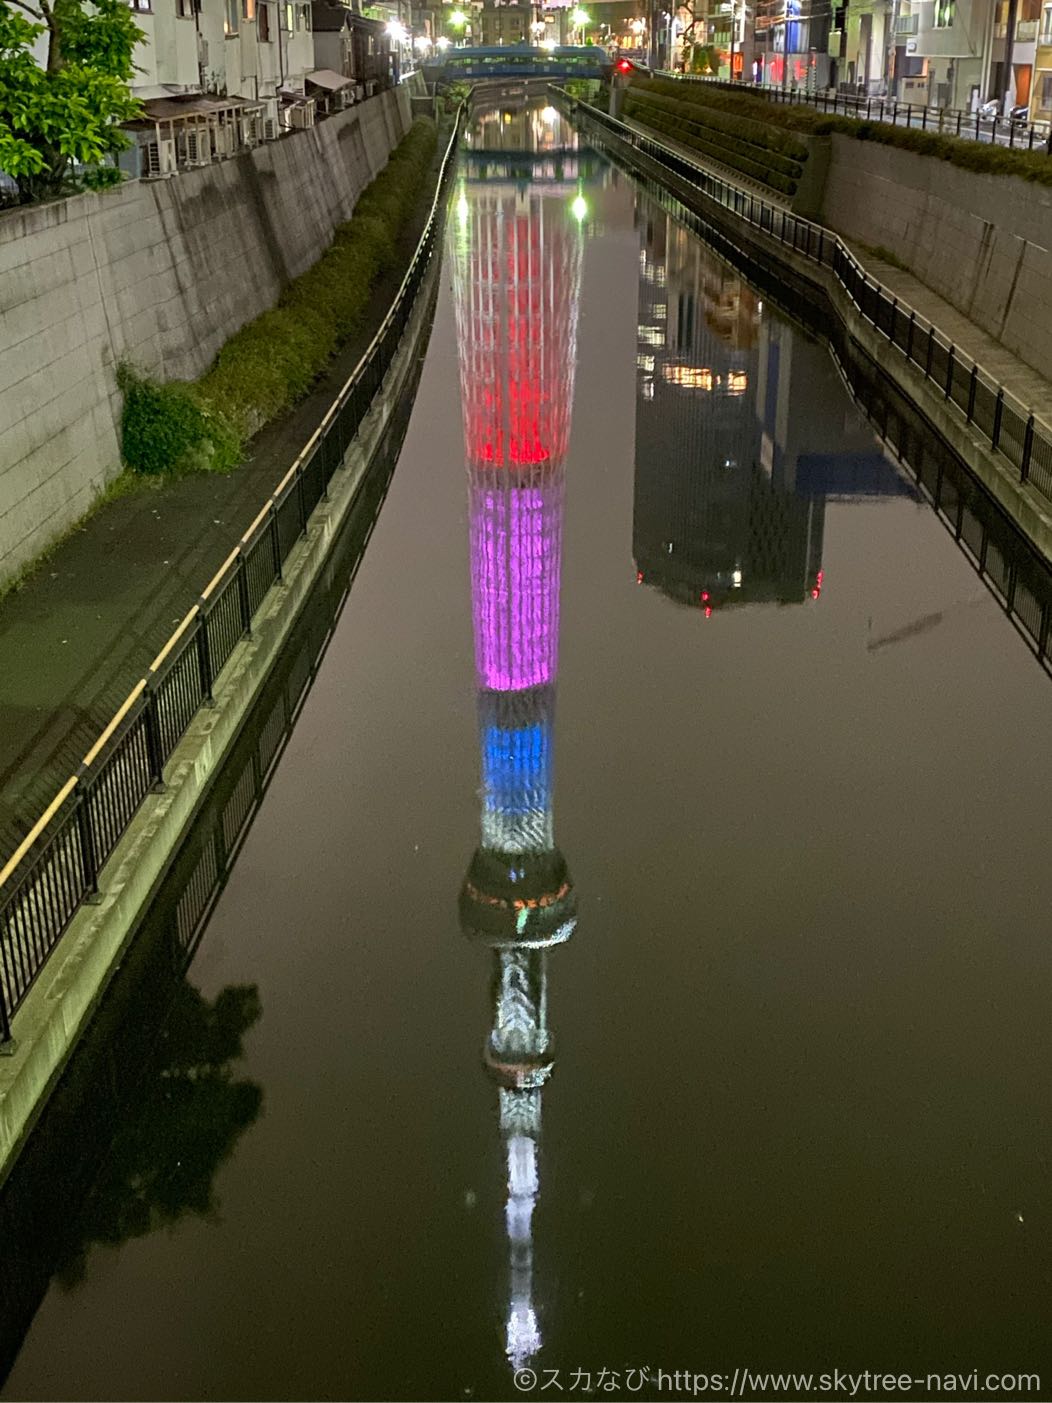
(516, 768)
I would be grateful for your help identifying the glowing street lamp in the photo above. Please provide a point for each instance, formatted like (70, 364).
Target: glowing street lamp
(442, 42)
(398, 32)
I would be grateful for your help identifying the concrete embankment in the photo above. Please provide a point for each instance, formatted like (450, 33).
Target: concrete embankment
(983, 242)
(816, 294)
(65, 993)
(162, 273)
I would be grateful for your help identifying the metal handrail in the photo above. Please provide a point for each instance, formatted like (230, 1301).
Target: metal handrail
(56, 866)
(940, 121)
(1013, 430)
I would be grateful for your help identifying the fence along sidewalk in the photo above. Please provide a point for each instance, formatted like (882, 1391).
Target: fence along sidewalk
(57, 866)
(1015, 432)
(1009, 426)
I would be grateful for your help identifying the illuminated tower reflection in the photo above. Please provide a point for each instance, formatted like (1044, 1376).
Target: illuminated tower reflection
(516, 277)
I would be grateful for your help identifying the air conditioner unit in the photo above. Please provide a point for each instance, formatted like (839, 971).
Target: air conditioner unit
(301, 116)
(195, 150)
(158, 159)
(270, 129)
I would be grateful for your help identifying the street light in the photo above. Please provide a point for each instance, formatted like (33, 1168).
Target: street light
(579, 18)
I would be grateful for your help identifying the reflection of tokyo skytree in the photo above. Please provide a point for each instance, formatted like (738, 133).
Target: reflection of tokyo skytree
(516, 279)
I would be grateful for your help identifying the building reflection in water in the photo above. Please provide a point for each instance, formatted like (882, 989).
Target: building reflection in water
(517, 263)
(743, 433)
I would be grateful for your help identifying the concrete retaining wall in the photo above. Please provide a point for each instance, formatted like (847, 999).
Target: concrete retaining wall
(68, 988)
(980, 241)
(161, 273)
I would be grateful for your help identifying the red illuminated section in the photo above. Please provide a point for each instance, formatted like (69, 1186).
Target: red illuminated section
(517, 308)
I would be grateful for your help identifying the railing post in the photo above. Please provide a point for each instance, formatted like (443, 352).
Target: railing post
(1028, 448)
(7, 1042)
(204, 657)
(999, 407)
(243, 601)
(301, 494)
(949, 372)
(931, 352)
(152, 724)
(972, 382)
(909, 335)
(88, 851)
(275, 542)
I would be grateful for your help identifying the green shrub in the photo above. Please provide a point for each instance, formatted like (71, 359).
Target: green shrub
(786, 118)
(167, 428)
(272, 361)
(771, 168)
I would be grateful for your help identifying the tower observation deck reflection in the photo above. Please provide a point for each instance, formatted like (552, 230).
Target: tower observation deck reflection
(517, 265)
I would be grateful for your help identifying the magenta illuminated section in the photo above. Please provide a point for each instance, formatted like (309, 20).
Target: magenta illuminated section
(516, 537)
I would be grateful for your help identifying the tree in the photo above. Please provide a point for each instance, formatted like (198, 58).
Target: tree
(185, 1121)
(67, 111)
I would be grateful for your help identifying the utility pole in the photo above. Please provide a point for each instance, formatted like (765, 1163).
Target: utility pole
(1007, 84)
(890, 84)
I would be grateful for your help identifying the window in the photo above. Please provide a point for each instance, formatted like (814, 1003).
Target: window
(945, 13)
(143, 6)
(232, 17)
(184, 9)
(289, 23)
(248, 9)
(1046, 25)
(307, 17)
(263, 24)
(1045, 99)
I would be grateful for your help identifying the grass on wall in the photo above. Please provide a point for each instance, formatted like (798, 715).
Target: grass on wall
(982, 158)
(273, 360)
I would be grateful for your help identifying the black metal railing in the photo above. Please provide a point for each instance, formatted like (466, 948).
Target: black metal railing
(1018, 135)
(1010, 565)
(58, 865)
(994, 413)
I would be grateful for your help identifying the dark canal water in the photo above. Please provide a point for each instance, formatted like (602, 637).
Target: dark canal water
(640, 958)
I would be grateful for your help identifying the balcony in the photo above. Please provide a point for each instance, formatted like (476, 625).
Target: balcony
(1026, 31)
(907, 24)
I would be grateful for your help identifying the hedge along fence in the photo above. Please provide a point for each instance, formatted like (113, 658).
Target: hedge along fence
(769, 155)
(979, 157)
(273, 360)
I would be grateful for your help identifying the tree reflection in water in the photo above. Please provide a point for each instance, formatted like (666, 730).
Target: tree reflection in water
(162, 1163)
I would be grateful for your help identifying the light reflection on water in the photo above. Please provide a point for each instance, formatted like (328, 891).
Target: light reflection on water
(793, 1124)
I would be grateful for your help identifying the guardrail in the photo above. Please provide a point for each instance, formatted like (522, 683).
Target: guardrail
(942, 121)
(1008, 425)
(56, 867)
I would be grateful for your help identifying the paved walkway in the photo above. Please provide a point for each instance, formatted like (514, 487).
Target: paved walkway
(1028, 386)
(77, 636)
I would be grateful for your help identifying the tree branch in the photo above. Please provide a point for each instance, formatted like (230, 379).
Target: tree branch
(29, 9)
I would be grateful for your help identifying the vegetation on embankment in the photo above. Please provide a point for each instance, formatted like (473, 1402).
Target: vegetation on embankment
(273, 360)
(703, 102)
(742, 141)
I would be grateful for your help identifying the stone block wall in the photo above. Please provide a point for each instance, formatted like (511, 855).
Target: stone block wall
(983, 242)
(160, 273)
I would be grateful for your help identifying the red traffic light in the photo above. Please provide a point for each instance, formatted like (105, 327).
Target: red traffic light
(624, 66)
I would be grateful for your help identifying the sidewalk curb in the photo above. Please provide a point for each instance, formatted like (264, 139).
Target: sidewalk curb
(65, 994)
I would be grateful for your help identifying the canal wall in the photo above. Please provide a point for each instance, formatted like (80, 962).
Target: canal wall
(161, 273)
(63, 997)
(983, 242)
(812, 293)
